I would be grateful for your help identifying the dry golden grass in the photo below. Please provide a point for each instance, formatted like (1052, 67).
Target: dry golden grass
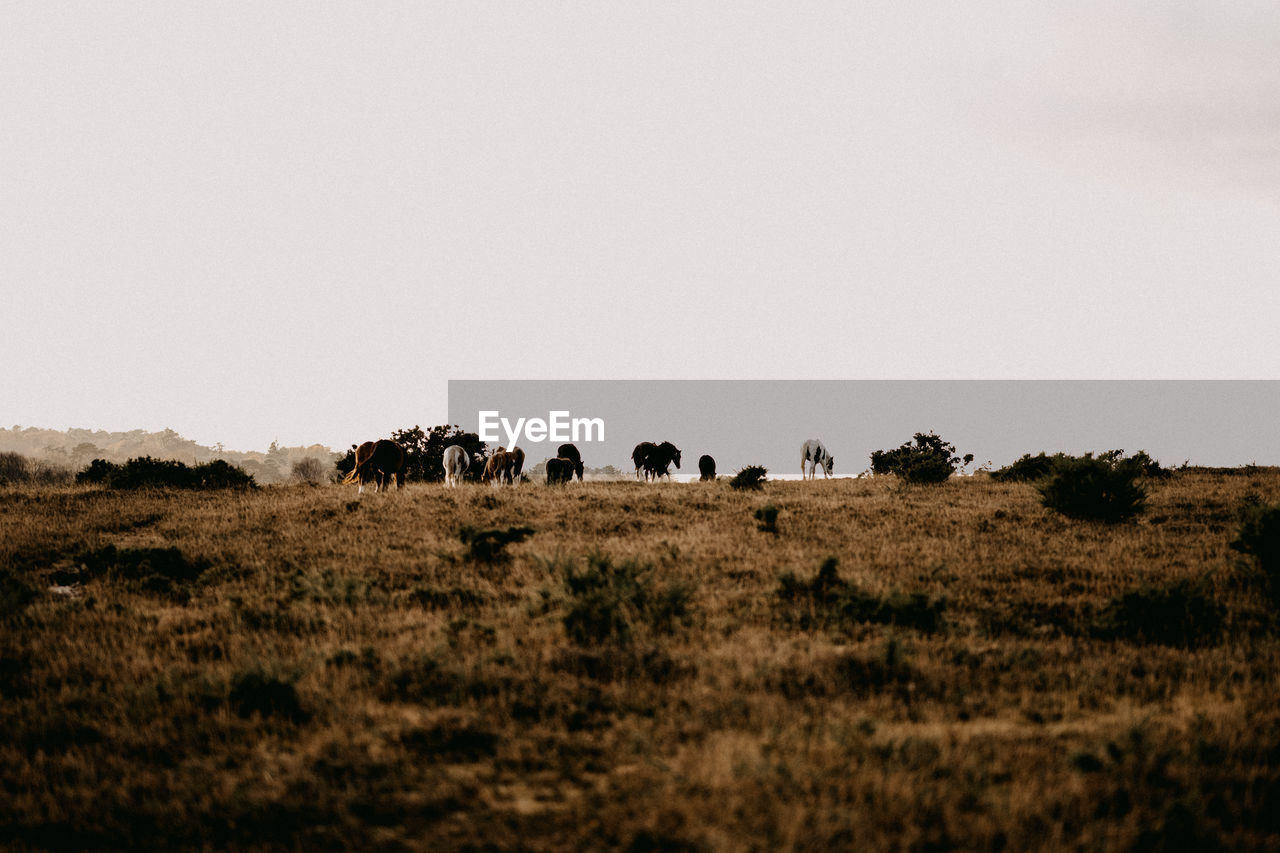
(342, 675)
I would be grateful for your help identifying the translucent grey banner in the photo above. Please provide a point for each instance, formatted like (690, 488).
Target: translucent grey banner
(1216, 423)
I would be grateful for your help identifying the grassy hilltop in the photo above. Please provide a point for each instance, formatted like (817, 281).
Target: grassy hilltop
(291, 667)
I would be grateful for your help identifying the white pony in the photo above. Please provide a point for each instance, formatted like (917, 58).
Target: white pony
(813, 452)
(456, 463)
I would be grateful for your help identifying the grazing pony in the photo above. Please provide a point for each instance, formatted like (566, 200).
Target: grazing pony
(642, 451)
(456, 463)
(706, 467)
(515, 466)
(655, 459)
(497, 468)
(378, 461)
(559, 470)
(814, 454)
(570, 452)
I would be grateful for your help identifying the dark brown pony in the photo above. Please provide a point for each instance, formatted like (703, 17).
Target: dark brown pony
(655, 459)
(559, 470)
(570, 452)
(498, 467)
(378, 461)
(707, 468)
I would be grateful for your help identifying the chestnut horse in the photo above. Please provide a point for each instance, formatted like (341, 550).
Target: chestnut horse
(378, 461)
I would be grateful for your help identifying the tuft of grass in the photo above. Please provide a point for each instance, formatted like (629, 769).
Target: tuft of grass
(15, 595)
(256, 692)
(752, 478)
(767, 519)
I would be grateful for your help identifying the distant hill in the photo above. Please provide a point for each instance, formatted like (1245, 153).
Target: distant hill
(76, 448)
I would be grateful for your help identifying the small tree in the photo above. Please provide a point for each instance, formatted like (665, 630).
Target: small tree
(924, 459)
(309, 470)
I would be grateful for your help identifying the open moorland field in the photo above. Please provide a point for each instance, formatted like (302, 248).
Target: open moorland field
(296, 668)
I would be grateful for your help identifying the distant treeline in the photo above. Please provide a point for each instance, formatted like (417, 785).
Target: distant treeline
(74, 449)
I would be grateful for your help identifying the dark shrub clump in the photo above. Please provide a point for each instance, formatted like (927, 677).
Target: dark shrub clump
(254, 692)
(1182, 614)
(145, 472)
(767, 519)
(15, 595)
(751, 477)
(924, 459)
(1028, 468)
(1259, 537)
(1095, 489)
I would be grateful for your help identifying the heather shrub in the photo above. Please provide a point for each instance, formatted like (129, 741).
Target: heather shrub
(1092, 488)
(751, 478)
(925, 459)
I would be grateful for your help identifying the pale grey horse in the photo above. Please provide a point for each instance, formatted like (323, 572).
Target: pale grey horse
(456, 463)
(814, 454)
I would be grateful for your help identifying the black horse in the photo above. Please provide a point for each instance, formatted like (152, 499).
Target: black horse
(655, 459)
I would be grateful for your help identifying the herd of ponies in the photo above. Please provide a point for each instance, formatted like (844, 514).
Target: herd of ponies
(379, 462)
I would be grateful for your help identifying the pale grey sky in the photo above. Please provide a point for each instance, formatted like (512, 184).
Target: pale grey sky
(257, 221)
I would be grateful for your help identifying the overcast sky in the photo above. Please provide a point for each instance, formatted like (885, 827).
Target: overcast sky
(296, 221)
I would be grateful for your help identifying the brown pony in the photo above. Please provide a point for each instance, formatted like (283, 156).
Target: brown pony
(498, 467)
(378, 461)
(559, 470)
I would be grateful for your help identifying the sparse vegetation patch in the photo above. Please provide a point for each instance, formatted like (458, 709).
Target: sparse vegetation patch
(1183, 614)
(828, 601)
(489, 546)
